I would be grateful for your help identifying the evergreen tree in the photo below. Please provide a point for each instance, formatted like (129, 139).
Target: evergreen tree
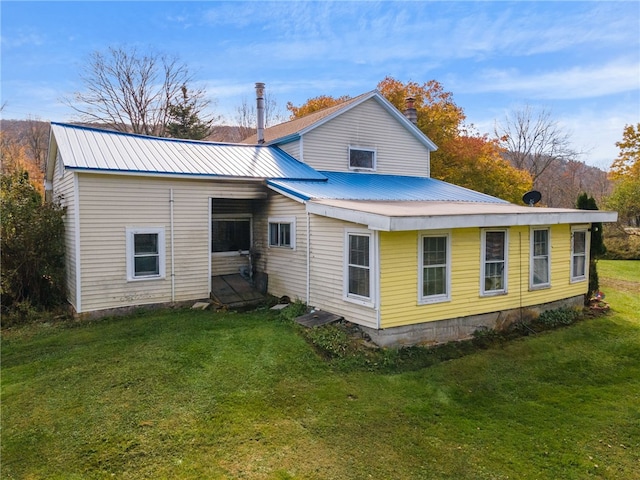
(184, 119)
(597, 248)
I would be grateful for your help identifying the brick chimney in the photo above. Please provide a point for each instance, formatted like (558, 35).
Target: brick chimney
(261, 114)
(410, 110)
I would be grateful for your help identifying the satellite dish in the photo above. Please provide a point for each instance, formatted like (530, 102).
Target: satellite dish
(532, 197)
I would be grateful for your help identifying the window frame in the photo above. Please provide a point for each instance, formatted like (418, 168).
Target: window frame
(585, 267)
(131, 232)
(232, 217)
(354, 297)
(483, 263)
(533, 257)
(437, 298)
(363, 149)
(291, 221)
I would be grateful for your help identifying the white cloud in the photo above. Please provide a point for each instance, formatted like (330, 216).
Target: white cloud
(588, 81)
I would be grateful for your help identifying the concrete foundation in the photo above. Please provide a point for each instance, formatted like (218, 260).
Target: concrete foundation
(462, 328)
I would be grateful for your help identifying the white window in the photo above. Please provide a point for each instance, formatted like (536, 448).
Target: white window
(494, 262)
(362, 158)
(282, 232)
(145, 253)
(359, 277)
(230, 234)
(540, 261)
(578, 254)
(435, 268)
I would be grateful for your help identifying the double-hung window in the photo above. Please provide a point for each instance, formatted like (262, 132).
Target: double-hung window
(540, 262)
(145, 253)
(494, 262)
(282, 232)
(578, 254)
(362, 158)
(435, 267)
(359, 266)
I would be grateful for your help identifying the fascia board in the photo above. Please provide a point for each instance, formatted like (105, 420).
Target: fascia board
(293, 195)
(398, 224)
(372, 220)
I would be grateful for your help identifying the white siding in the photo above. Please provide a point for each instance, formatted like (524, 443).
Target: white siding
(110, 203)
(63, 192)
(327, 272)
(368, 125)
(293, 149)
(287, 268)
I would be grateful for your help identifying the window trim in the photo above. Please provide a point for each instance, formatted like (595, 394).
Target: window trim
(429, 299)
(505, 289)
(352, 297)
(532, 258)
(587, 246)
(364, 149)
(131, 232)
(291, 221)
(232, 216)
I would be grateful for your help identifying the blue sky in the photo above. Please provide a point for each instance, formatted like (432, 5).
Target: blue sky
(579, 60)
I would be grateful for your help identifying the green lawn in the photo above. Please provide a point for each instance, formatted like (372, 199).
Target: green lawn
(192, 394)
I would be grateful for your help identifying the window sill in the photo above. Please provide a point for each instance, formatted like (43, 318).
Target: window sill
(493, 294)
(431, 301)
(143, 279)
(359, 301)
(230, 254)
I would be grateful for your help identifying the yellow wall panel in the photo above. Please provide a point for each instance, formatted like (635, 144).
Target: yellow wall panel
(399, 302)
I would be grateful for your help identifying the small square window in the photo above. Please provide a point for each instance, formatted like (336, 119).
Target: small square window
(362, 159)
(282, 232)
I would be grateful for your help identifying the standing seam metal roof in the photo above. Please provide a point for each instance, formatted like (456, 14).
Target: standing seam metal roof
(374, 187)
(85, 148)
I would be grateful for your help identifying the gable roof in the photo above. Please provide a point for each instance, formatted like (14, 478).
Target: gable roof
(91, 149)
(294, 129)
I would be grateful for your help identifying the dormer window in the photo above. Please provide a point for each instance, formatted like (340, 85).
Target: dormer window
(362, 158)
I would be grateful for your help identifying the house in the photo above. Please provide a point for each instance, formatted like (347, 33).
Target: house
(336, 209)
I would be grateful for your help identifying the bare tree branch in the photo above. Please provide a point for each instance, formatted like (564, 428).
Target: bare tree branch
(132, 91)
(533, 141)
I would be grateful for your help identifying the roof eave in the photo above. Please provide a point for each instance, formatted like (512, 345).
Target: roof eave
(376, 221)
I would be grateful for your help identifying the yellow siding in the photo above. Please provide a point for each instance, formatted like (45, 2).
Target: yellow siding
(368, 125)
(327, 272)
(106, 210)
(399, 276)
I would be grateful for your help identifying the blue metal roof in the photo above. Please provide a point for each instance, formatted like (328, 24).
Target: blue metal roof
(374, 187)
(91, 149)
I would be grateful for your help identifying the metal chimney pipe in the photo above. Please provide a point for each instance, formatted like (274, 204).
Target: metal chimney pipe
(260, 101)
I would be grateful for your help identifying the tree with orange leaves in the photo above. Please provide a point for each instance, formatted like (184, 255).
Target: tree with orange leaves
(314, 104)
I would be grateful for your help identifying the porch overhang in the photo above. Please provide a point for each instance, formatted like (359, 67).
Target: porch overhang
(429, 215)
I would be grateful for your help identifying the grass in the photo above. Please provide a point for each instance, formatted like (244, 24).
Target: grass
(190, 394)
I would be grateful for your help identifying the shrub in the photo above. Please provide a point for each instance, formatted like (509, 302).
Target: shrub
(32, 248)
(559, 317)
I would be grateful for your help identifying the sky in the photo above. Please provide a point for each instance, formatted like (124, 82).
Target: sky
(579, 61)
